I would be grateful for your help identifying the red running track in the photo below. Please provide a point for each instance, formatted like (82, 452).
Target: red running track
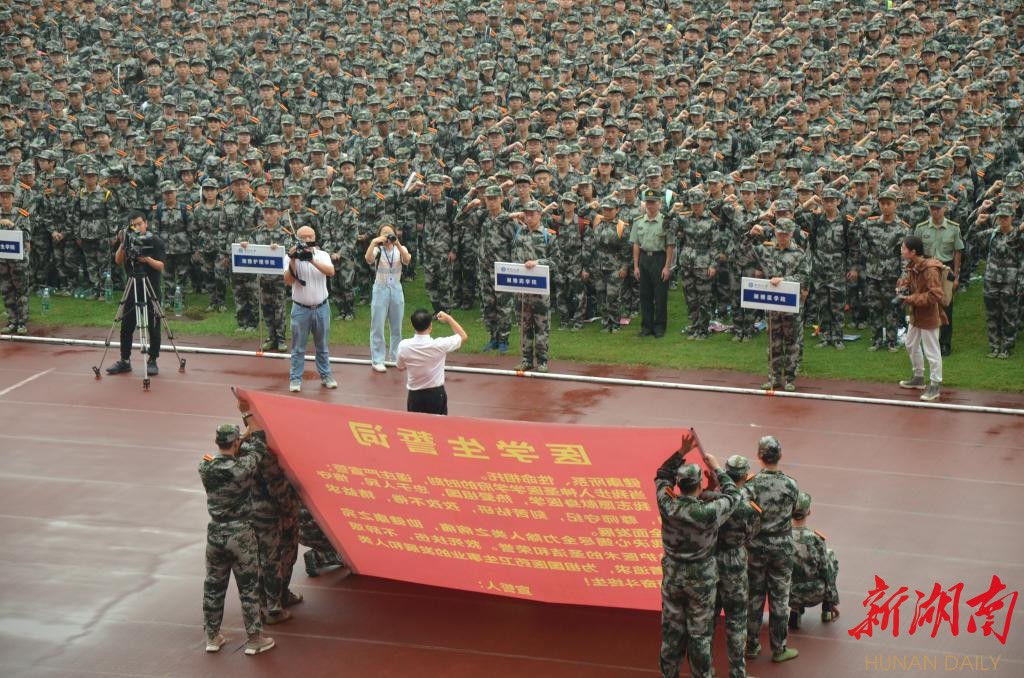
(102, 521)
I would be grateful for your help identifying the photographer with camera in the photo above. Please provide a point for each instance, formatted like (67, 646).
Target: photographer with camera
(142, 254)
(307, 269)
(921, 289)
(387, 256)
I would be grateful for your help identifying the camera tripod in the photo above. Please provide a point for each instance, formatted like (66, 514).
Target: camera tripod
(141, 290)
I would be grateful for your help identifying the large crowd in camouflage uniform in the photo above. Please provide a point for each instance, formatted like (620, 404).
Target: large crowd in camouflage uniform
(348, 114)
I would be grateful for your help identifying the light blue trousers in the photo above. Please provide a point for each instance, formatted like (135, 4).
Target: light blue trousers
(387, 305)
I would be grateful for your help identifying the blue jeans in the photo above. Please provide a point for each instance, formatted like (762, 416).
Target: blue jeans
(319, 321)
(388, 304)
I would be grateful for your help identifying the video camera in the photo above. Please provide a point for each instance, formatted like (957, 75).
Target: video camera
(137, 245)
(304, 250)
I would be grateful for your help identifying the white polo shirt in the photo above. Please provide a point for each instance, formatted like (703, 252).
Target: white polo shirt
(314, 292)
(422, 356)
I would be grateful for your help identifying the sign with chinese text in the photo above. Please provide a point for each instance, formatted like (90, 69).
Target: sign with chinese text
(12, 245)
(546, 512)
(517, 278)
(760, 293)
(257, 259)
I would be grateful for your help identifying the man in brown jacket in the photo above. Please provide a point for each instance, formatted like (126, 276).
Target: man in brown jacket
(921, 289)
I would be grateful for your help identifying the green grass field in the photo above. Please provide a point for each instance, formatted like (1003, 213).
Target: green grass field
(968, 367)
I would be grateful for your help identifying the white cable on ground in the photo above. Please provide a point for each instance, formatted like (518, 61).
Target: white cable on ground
(608, 381)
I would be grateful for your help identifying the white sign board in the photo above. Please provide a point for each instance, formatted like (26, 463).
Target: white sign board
(760, 293)
(517, 278)
(12, 245)
(258, 259)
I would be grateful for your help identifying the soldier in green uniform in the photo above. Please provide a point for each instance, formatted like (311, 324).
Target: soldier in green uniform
(700, 241)
(534, 244)
(771, 552)
(14, 273)
(211, 248)
(611, 257)
(653, 242)
(731, 560)
(435, 224)
(689, 530)
(272, 292)
(778, 261)
(340, 228)
(230, 540)
(173, 221)
(239, 219)
(91, 218)
(1004, 245)
(815, 569)
(879, 262)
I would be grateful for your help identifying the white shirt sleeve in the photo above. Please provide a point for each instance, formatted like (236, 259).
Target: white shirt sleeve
(451, 343)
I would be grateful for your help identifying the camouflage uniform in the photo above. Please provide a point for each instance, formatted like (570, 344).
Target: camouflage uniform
(815, 569)
(699, 242)
(322, 552)
(14, 274)
(1002, 276)
(340, 228)
(610, 267)
(786, 337)
(494, 241)
(230, 540)
(273, 294)
(571, 289)
(54, 216)
(534, 309)
(213, 249)
(92, 226)
(436, 223)
(771, 557)
(880, 265)
(689, 529)
(828, 252)
(172, 224)
(238, 220)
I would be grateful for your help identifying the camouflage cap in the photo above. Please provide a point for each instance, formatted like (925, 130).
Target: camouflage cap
(891, 193)
(294, 191)
(533, 206)
(1014, 178)
(493, 192)
(831, 194)
(803, 506)
(737, 466)
(210, 183)
(569, 196)
(785, 226)
(227, 434)
(6, 188)
(1004, 209)
(696, 195)
(435, 178)
(769, 449)
(609, 203)
(339, 193)
(688, 476)
(239, 176)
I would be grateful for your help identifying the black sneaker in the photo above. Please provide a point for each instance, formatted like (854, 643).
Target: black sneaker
(120, 367)
(151, 369)
(312, 563)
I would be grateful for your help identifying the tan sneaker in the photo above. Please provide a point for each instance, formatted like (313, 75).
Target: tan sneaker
(258, 643)
(215, 642)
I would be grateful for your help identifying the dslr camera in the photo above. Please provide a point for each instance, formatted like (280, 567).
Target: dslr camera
(392, 238)
(902, 292)
(304, 250)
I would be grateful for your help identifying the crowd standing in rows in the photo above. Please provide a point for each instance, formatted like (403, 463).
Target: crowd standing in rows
(650, 145)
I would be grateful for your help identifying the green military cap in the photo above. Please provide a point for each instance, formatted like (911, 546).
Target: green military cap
(803, 506)
(90, 169)
(936, 173)
(1004, 209)
(651, 195)
(891, 193)
(210, 183)
(688, 476)
(716, 177)
(493, 192)
(785, 226)
(628, 184)
(272, 205)
(831, 194)
(381, 163)
(961, 152)
(319, 175)
(606, 159)
(168, 187)
(6, 188)
(595, 132)
(859, 178)
(435, 178)
(1014, 178)
(888, 155)
(696, 195)
(737, 466)
(239, 176)
(339, 193)
(538, 169)
(532, 206)
(609, 203)
(584, 179)
(748, 187)
(569, 196)
(653, 171)
(227, 433)
(61, 173)
(294, 190)
(937, 200)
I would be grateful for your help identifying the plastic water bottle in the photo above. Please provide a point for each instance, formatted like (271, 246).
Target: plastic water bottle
(179, 301)
(108, 286)
(46, 300)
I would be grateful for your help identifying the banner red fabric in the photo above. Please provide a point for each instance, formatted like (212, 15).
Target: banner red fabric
(547, 512)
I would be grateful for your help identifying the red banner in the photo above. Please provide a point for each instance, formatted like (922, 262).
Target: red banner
(547, 512)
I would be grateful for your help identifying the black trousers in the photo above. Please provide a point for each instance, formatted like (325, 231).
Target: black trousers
(653, 293)
(428, 400)
(128, 325)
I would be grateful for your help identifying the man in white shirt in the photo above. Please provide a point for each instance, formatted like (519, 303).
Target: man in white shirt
(307, 271)
(423, 357)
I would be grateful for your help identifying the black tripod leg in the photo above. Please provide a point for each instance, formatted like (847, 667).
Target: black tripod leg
(159, 312)
(117, 319)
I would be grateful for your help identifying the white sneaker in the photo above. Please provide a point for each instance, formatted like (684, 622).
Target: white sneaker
(328, 382)
(215, 642)
(295, 385)
(379, 367)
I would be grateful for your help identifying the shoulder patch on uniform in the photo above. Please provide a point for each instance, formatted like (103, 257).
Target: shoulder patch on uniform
(817, 532)
(753, 505)
(207, 457)
(849, 217)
